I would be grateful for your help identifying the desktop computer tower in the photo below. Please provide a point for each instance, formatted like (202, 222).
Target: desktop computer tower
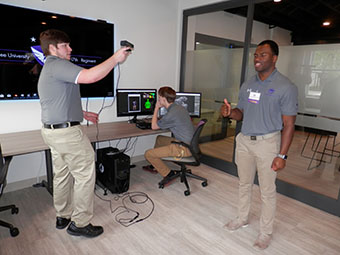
(113, 170)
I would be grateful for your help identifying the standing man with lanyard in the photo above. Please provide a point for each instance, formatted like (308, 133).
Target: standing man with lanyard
(72, 153)
(268, 107)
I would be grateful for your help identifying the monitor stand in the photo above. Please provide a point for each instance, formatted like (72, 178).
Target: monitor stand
(133, 120)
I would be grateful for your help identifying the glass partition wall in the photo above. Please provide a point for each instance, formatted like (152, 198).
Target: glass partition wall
(216, 74)
(212, 65)
(218, 56)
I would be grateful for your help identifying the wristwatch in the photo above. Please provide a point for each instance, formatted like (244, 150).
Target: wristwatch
(282, 156)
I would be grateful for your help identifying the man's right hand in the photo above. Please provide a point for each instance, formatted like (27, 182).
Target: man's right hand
(225, 108)
(122, 54)
(98, 72)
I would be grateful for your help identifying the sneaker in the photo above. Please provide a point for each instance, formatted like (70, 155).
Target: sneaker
(235, 224)
(150, 169)
(87, 231)
(262, 241)
(167, 179)
(62, 223)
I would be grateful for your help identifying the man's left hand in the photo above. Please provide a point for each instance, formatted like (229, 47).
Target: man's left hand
(91, 116)
(278, 164)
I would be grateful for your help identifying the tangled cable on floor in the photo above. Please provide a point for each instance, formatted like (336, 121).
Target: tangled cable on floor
(124, 214)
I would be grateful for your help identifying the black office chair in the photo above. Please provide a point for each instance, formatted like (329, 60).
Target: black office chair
(4, 164)
(193, 160)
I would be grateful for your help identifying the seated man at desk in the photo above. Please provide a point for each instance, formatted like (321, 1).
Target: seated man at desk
(61, 114)
(176, 119)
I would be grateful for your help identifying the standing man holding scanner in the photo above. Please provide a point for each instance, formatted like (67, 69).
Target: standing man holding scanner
(61, 113)
(268, 107)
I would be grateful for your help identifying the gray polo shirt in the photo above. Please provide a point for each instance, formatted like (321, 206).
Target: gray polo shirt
(179, 122)
(58, 92)
(264, 102)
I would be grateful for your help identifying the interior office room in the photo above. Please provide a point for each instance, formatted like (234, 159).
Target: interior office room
(204, 46)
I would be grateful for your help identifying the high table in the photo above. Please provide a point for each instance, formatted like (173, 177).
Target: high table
(19, 143)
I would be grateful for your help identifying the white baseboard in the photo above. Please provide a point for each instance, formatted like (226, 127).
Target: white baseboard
(13, 186)
(137, 159)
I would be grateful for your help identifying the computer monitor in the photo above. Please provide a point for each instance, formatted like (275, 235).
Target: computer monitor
(190, 101)
(135, 102)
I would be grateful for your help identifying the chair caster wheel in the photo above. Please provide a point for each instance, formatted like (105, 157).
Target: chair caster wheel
(204, 184)
(187, 193)
(14, 232)
(161, 186)
(15, 210)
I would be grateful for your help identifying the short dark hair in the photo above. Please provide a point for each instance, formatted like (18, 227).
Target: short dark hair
(168, 93)
(273, 46)
(52, 36)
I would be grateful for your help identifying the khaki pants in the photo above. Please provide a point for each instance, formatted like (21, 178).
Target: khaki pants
(164, 148)
(251, 156)
(74, 173)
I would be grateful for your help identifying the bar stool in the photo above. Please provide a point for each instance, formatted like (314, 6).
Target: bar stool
(316, 149)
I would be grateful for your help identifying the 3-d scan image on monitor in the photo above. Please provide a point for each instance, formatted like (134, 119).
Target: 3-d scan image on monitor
(190, 101)
(135, 102)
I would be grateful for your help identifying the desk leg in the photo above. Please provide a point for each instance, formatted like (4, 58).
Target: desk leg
(49, 172)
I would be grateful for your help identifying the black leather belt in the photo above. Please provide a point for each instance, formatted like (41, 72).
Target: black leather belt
(62, 125)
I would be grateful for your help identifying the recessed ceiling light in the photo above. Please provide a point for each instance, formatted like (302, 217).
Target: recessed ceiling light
(54, 17)
(326, 23)
(197, 42)
(43, 23)
(277, 1)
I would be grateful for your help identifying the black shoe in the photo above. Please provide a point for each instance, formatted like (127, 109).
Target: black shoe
(87, 231)
(62, 222)
(150, 169)
(167, 179)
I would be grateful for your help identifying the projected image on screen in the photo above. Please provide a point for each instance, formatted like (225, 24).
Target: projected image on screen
(21, 57)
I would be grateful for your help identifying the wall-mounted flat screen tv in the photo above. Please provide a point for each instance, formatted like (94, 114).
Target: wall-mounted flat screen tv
(21, 58)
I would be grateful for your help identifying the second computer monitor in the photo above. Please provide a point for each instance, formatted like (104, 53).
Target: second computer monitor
(190, 101)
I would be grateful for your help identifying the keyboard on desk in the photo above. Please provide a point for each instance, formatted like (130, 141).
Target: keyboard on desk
(144, 124)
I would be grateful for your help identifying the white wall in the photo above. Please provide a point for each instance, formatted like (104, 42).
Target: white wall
(229, 26)
(187, 4)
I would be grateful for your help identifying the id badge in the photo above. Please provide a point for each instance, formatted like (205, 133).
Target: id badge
(254, 97)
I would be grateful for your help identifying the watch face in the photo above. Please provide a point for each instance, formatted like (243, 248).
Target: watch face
(282, 156)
